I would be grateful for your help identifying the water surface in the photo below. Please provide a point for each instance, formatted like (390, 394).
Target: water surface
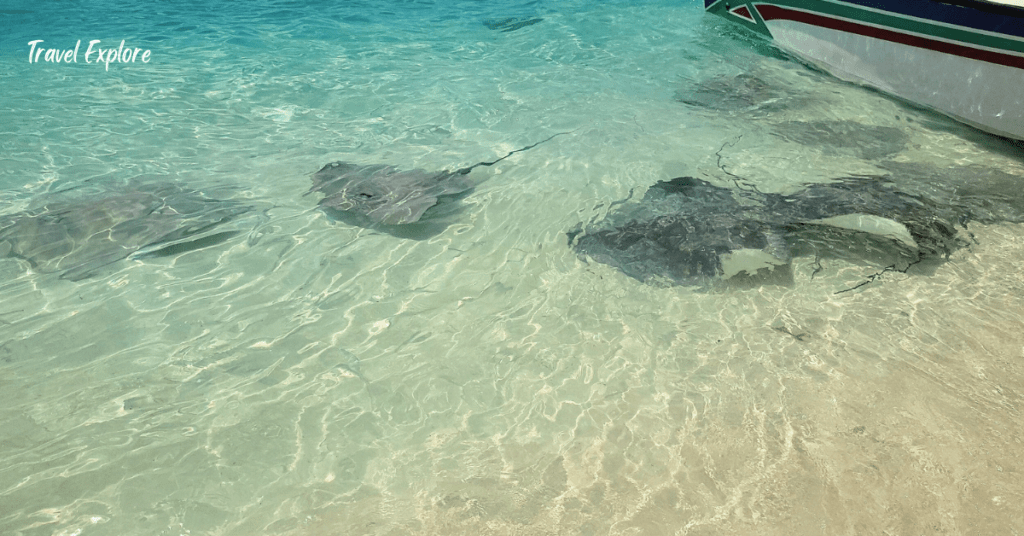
(308, 377)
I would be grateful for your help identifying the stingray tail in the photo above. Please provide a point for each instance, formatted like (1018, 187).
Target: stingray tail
(466, 170)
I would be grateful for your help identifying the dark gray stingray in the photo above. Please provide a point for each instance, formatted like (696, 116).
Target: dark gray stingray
(385, 198)
(510, 24)
(689, 232)
(77, 236)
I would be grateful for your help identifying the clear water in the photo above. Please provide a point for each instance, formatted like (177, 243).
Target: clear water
(309, 378)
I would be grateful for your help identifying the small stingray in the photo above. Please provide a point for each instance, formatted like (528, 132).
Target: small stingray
(510, 24)
(687, 231)
(727, 93)
(386, 198)
(866, 141)
(79, 236)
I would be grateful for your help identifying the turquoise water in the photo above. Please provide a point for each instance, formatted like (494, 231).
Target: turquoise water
(308, 377)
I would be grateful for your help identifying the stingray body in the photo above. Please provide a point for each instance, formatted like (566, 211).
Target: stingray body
(687, 231)
(511, 24)
(383, 194)
(678, 232)
(407, 204)
(77, 236)
(869, 142)
(729, 93)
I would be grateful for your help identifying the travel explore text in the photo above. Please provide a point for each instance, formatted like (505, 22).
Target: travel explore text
(93, 54)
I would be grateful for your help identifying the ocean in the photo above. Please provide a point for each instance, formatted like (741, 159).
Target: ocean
(275, 369)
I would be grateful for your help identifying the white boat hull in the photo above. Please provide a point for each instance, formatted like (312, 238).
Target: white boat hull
(973, 75)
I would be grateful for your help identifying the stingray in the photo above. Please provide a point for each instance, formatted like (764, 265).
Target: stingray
(510, 24)
(386, 198)
(687, 231)
(728, 93)
(78, 236)
(868, 142)
(385, 195)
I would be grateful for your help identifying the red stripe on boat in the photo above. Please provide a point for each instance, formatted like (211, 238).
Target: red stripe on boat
(772, 12)
(742, 11)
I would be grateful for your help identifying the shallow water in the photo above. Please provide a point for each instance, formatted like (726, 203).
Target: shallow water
(308, 377)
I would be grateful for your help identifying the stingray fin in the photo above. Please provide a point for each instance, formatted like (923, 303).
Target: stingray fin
(875, 225)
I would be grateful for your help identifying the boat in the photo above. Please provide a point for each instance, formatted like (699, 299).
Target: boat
(964, 58)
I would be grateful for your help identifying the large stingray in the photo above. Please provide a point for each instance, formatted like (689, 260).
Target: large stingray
(78, 235)
(385, 198)
(687, 231)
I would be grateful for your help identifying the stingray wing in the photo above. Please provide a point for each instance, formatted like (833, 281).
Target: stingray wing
(79, 237)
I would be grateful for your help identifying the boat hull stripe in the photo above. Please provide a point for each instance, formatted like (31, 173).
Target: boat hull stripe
(771, 12)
